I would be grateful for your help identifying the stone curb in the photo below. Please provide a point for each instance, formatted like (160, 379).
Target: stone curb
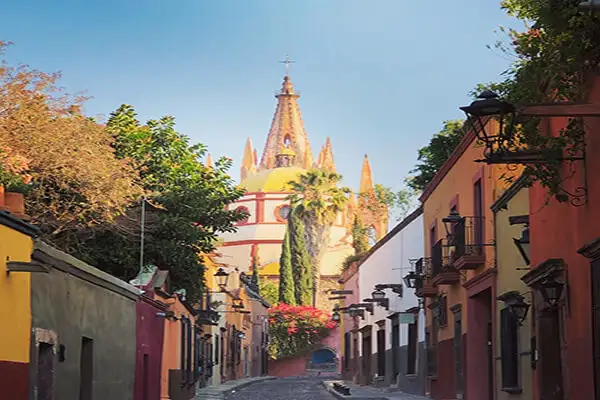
(222, 391)
(329, 386)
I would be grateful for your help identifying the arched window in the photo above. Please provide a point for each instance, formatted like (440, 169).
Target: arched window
(282, 212)
(287, 141)
(372, 236)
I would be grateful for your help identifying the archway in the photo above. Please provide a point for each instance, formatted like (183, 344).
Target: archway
(323, 359)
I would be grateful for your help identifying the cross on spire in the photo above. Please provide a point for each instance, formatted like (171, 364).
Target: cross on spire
(287, 63)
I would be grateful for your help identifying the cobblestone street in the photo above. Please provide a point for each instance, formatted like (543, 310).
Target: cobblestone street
(285, 388)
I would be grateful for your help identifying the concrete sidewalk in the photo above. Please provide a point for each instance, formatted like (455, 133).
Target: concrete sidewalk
(370, 393)
(221, 391)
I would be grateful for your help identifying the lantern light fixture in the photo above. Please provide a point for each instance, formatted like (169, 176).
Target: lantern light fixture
(452, 219)
(522, 244)
(222, 277)
(410, 280)
(551, 291)
(378, 294)
(516, 305)
(336, 316)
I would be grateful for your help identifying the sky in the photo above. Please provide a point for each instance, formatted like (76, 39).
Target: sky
(379, 77)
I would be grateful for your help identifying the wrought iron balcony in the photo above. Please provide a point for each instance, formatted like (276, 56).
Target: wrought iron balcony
(442, 271)
(423, 286)
(466, 244)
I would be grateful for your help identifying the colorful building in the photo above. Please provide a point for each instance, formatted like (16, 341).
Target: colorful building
(16, 244)
(386, 338)
(287, 153)
(565, 269)
(460, 273)
(513, 357)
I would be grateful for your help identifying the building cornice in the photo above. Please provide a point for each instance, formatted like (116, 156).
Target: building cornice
(10, 221)
(509, 194)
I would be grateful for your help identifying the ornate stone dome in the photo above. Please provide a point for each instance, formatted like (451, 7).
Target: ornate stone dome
(271, 180)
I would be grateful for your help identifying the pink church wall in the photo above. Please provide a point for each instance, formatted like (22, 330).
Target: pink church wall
(296, 366)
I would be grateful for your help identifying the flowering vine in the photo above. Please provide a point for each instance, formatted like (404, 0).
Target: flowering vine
(296, 329)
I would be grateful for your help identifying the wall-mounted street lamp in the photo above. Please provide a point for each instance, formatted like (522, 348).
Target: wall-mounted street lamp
(378, 294)
(396, 287)
(336, 316)
(551, 291)
(450, 221)
(516, 304)
(222, 277)
(238, 303)
(522, 244)
(410, 280)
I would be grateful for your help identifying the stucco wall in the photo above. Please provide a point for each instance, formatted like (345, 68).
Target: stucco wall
(74, 308)
(15, 315)
(509, 278)
(149, 345)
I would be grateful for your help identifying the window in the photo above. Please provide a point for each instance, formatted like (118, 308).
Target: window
(217, 343)
(459, 376)
(509, 337)
(431, 338)
(347, 350)
(45, 372)
(381, 352)
(478, 212)
(443, 310)
(284, 212)
(413, 343)
(396, 347)
(86, 369)
(287, 141)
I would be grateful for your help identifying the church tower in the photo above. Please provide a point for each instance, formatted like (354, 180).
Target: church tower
(287, 154)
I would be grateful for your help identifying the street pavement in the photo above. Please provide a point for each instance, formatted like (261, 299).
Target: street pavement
(283, 389)
(310, 388)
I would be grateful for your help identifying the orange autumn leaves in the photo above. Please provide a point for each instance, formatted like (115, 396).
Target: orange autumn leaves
(45, 139)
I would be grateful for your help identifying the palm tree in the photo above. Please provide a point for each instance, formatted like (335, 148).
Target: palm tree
(318, 200)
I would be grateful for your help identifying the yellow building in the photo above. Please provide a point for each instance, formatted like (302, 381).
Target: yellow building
(16, 245)
(513, 358)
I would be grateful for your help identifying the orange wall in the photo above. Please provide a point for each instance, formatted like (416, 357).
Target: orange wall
(456, 187)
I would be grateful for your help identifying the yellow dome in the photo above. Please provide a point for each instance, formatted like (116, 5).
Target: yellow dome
(271, 180)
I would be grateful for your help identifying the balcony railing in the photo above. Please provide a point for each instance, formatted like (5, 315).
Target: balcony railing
(465, 246)
(442, 271)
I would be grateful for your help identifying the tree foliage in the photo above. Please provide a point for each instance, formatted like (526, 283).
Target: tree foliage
(301, 267)
(287, 290)
(60, 157)
(295, 330)
(555, 58)
(434, 155)
(269, 290)
(318, 200)
(186, 202)
(255, 279)
(360, 238)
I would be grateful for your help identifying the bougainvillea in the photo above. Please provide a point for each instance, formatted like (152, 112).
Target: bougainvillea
(296, 329)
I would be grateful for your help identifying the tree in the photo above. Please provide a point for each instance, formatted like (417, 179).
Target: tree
(255, 279)
(269, 290)
(63, 160)
(434, 155)
(301, 267)
(186, 203)
(287, 294)
(360, 239)
(318, 201)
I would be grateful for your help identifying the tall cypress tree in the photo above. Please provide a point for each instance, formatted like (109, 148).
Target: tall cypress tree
(287, 289)
(255, 274)
(301, 264)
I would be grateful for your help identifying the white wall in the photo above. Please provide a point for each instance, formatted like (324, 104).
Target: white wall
(389, 264)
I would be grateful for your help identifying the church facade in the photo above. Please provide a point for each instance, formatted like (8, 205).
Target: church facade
(287, 154)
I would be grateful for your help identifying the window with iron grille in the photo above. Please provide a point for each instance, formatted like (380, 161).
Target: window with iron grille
(509, 342)
(217, 348)
(413, 343)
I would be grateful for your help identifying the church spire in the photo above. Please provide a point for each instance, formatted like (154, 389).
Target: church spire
(366, 177)
(208, 163)
(249, 160)
(325, 160)
(287, 133)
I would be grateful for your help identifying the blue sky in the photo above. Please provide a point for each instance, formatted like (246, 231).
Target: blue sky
(378, 76)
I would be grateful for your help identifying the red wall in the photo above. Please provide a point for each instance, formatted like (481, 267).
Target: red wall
(14, 380)
(558, 231)
(149, 340)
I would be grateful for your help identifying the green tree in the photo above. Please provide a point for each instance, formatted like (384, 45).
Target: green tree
(318, 201)
(360, 238)
(269, 290)
(434, 155)
(186, 203)
(287, 289)
(255, 279)
(302, 269)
